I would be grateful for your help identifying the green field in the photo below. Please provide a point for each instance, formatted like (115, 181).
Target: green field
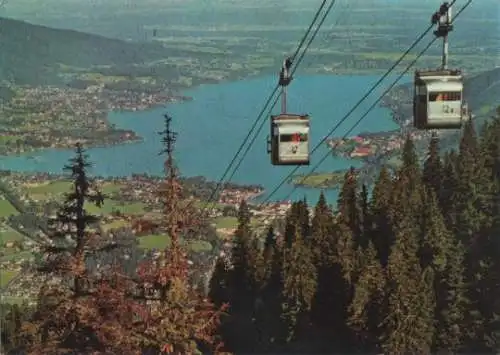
(226, 222)
(203, 204)
(161, 241)
(6, 276)
(10, 138)
(200, 246)
(232, 222)
(111, 205)
(57, 188)
(62, 186)
(6, 209)
(17, 256)
(154, 241)
(115, 224)
(320, 180)
(8, 234)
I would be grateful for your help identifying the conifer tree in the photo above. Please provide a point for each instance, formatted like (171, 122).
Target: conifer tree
(365, 314)
(242, 278)
(408, 326)
(452, 303)
(381, 233)
(436, 239)
(449, 183)
(323, 244)
(219, 289)
(348, 205)
(432, 174)
(490, 147)
(305, 222)
(335, 287)
(269, 246)
(322, 233)
(178, 320)
(365, 220)
(440, 251)
(407, 185)
(270, 325)
(467, 196)
(471, 219)
(299, 278)
(297, 221)
(84, 312)
(410, 168)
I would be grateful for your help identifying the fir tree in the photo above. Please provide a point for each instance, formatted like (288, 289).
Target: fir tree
(297, 221)
(381, 233)
(365, 220)
(299, 278)
(449, 183)
(177, 318)
(410, 169)
(269, 245)
(322, 233)
(219, 292)
(451, 302)
(84, 313)
(408, 325)
(366, 304)
(348, 205)
(432, 174)
(242, 278)
(440, 251)
(270, 325)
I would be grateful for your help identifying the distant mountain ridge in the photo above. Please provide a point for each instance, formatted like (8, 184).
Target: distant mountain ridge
(32, 54)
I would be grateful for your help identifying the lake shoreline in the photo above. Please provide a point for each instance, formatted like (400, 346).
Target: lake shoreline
(234, 105)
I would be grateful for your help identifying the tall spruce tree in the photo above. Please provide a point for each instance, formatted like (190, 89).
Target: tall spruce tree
(440, 251)
(85, 312)
(242, 282)
(365, 314)
(433, 170)
(409, 324)
(449, 184)
(323, 244)
(349, 206)
(176, 318)
(322, 233)
(381, 233)
(270, 325)
(299, 287)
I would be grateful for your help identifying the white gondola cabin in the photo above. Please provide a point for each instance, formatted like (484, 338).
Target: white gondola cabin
(438, 100)
(289, 142)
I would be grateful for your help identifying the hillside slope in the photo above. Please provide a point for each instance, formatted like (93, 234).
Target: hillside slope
(32, 54)
(483, 91)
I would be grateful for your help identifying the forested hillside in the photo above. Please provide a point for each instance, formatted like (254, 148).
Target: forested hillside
(32, 54)
(413, 267)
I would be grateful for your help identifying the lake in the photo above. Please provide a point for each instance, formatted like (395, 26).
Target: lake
(213, 125)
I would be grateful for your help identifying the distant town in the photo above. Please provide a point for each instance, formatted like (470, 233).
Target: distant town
(368, 145)
(131, 203)
(52, 117)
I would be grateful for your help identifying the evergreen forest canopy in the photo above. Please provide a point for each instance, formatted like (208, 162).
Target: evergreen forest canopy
(413, 268)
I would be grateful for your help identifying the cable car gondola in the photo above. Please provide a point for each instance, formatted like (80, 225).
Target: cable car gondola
(289, 141)
(438, 101)
(438, 94)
